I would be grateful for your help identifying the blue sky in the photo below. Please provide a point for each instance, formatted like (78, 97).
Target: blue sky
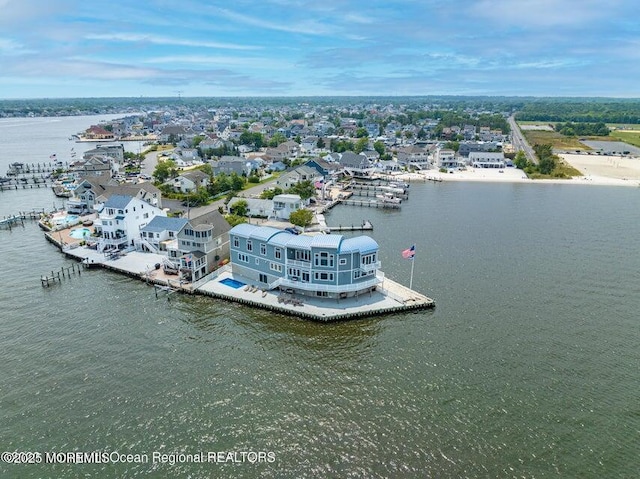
(71, 48)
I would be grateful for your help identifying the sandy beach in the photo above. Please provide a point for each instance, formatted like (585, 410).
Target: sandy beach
(597, 170)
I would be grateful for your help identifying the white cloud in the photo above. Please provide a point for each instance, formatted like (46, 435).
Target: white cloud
(160, 40)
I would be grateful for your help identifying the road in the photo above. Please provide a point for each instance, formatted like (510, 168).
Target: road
(519, 141)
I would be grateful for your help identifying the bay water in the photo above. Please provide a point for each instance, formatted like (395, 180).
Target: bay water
(529, 366)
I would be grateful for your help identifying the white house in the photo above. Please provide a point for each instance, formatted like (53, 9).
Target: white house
(485, 159)
(446, 158)
(284, 205)
(120, 221)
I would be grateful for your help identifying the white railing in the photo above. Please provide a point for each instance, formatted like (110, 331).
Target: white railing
(330, 288)
(371, 267)
(298, 264)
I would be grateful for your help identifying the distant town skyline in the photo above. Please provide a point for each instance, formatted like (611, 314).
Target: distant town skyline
(68, 48)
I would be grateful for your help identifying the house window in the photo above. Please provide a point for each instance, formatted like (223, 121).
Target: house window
(324, 259)
(257, 260)
(305, 277)
(343, 261)
(263, 249)
(323, 294)
(356, 274)
(293, 272)
(323, 276)
(276, 267)
(302, 255)
(243, 257)
(236, 242)
(369, 259)
(171, 234)
(249, 245)
(277, 253)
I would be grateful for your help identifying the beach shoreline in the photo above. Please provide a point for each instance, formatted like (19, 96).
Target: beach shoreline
(599, 170)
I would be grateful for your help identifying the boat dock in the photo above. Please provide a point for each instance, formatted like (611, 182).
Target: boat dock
(11, 221)
(365, 226)
(370, 204)
(65, 272)
(16, 169)
(373, 190)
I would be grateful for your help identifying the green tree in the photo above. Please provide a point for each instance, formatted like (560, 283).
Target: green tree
(379, 147)
(361, 145)
(301, 217)
(237, 182)
(320, 143)
(304, 189)
(270, 193)
(362, 133)
(234, 220)
(240, 208)
(164, 170)
(277, 139)
(520, 160)
(546, 165)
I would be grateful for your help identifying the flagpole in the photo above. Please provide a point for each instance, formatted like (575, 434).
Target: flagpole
(413, 260)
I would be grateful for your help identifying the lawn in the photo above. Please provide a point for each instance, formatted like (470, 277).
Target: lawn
(631, 137)
(555, 139)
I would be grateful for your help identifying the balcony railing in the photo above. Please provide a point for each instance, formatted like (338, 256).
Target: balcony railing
(329, 288)
(370, 267)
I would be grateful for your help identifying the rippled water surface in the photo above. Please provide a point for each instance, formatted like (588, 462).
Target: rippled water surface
(528, 367)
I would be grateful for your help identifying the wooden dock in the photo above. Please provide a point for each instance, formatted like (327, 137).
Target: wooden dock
(57, 276)
(370, 204)
(12, 221)
(373, 190)
(365, 226)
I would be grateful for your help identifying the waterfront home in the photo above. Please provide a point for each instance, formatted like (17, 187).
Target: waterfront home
(159, 232)
(120, 221)
(91, 193)
(447, 159)
(481, 159)
(329, 266)
(202, 243)
(357, 166)
(115, 151)
(414, 156)
(96, 132)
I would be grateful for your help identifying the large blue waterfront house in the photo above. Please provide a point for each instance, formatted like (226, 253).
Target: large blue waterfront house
(323, 265)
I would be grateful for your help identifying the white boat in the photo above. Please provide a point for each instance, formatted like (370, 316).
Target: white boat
(389, 198)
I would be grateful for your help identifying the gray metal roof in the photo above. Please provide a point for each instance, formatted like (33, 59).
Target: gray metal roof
(363, 244)
(327, 241)
(164, 223)
(118, 201)
(243, 229)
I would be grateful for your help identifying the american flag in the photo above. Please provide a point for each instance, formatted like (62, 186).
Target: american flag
(409, 253)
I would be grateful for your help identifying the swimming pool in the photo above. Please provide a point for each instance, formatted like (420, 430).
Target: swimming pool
(65, 220)
(80, 233)
(234, 283)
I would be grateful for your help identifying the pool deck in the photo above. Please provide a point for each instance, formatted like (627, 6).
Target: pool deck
(390, 297)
